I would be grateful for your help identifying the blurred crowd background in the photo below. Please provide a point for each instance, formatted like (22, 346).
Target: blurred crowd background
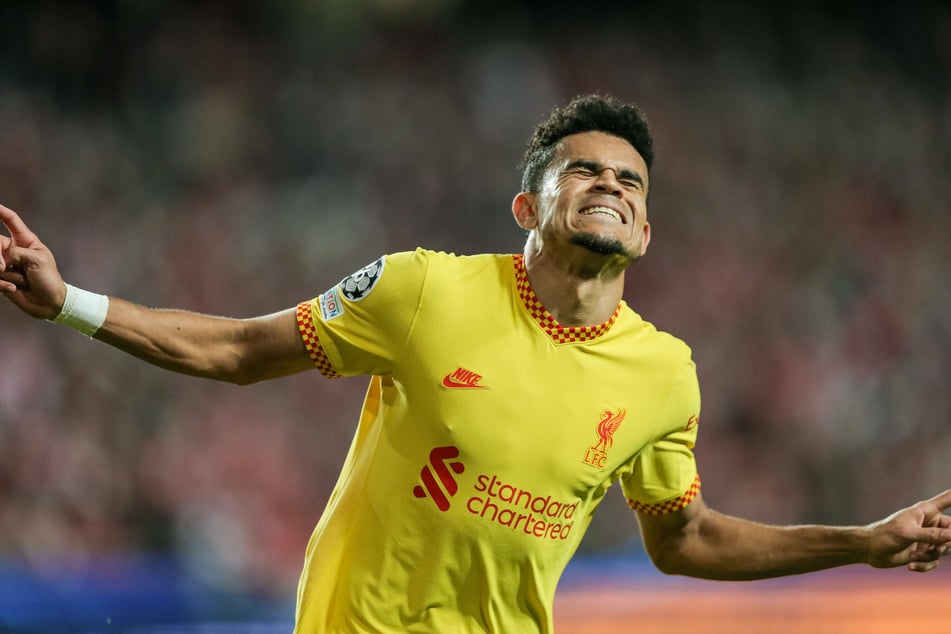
(236, 157)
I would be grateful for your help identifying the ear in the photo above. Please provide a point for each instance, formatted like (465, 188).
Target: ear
(646, 238)
(523, 208)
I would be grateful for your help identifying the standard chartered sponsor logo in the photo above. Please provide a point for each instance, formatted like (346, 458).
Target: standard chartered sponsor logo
(521, 510)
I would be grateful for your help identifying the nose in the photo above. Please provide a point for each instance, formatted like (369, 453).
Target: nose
(607, 182)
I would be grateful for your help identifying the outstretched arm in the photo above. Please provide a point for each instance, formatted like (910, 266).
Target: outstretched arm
(234, 350)
(700, 542)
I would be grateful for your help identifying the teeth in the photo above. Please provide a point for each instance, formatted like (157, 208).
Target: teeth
(601, 210)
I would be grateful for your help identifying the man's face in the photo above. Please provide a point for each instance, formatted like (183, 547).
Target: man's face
(593, 196)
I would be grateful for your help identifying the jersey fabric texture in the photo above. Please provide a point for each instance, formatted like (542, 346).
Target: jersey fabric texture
(489, 435)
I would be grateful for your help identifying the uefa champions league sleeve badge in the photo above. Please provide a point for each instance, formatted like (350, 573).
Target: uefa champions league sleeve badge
(358, 285)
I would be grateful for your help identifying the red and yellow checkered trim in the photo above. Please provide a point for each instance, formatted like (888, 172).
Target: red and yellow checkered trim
(557, 332)
(308, 332)
(662, 508)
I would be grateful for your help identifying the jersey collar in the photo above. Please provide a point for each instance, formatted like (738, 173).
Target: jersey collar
(544, 319)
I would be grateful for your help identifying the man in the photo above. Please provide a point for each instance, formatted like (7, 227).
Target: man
(507, 393)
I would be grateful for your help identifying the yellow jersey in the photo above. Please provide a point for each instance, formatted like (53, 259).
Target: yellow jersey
(489, 435)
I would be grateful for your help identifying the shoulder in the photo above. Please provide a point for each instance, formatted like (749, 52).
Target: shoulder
(648, 338)
(427, 275)
(448, 258)
(450, 267)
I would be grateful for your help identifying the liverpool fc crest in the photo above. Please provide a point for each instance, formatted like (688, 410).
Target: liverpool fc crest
(597, 454)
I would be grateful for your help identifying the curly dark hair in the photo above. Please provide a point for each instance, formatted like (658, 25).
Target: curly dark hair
(585, 113)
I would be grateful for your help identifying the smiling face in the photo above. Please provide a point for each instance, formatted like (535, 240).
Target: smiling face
(593, 198)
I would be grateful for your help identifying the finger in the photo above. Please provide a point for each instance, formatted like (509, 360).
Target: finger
(20, 233)
(15, 259)
(934, 536)
(14, 277)
(5, 243)
(922, 566)
(927, 552)
(942, 501)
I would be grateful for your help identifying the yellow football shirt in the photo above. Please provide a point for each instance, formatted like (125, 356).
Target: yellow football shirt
(488, 436)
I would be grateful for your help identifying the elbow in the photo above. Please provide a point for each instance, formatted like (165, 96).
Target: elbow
(237, 368)
(245, 371)
(667, 561)
(240, 380)
(232, 372)
(672, 554)
(244, 380)
(242, 376)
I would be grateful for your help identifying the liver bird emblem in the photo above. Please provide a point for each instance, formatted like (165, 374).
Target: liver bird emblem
(609, 424)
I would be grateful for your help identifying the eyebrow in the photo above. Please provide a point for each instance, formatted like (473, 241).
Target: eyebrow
(594, 166)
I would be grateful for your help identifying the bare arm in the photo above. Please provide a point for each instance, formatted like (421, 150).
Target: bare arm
(700, 542)
(234, 350)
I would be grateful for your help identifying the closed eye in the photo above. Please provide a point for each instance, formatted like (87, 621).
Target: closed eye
(632, 182)
(582, 171)
(589, 169)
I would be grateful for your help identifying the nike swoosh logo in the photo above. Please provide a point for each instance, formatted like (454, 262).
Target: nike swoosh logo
(471, 381)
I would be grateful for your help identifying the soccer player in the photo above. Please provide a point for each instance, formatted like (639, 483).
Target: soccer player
(506, 394)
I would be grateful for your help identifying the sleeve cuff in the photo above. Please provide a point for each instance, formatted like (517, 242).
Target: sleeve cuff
(668, 506)
(308, 333)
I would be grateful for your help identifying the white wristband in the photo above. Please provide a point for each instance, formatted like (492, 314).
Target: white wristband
(83, 311)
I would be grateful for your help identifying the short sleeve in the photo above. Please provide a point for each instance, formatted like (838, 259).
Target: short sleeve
(664, 477)
(361, 325)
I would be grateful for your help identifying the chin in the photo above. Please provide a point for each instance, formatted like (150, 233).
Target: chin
(602, 245)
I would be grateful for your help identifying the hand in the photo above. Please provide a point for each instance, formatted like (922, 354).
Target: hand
(28, 274)
(917, 536)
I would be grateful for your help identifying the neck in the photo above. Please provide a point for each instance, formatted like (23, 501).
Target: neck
(580, 291)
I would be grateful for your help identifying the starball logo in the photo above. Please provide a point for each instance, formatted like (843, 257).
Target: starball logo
(494, 500)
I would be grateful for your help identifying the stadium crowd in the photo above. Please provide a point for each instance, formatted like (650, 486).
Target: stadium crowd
(236, 158)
